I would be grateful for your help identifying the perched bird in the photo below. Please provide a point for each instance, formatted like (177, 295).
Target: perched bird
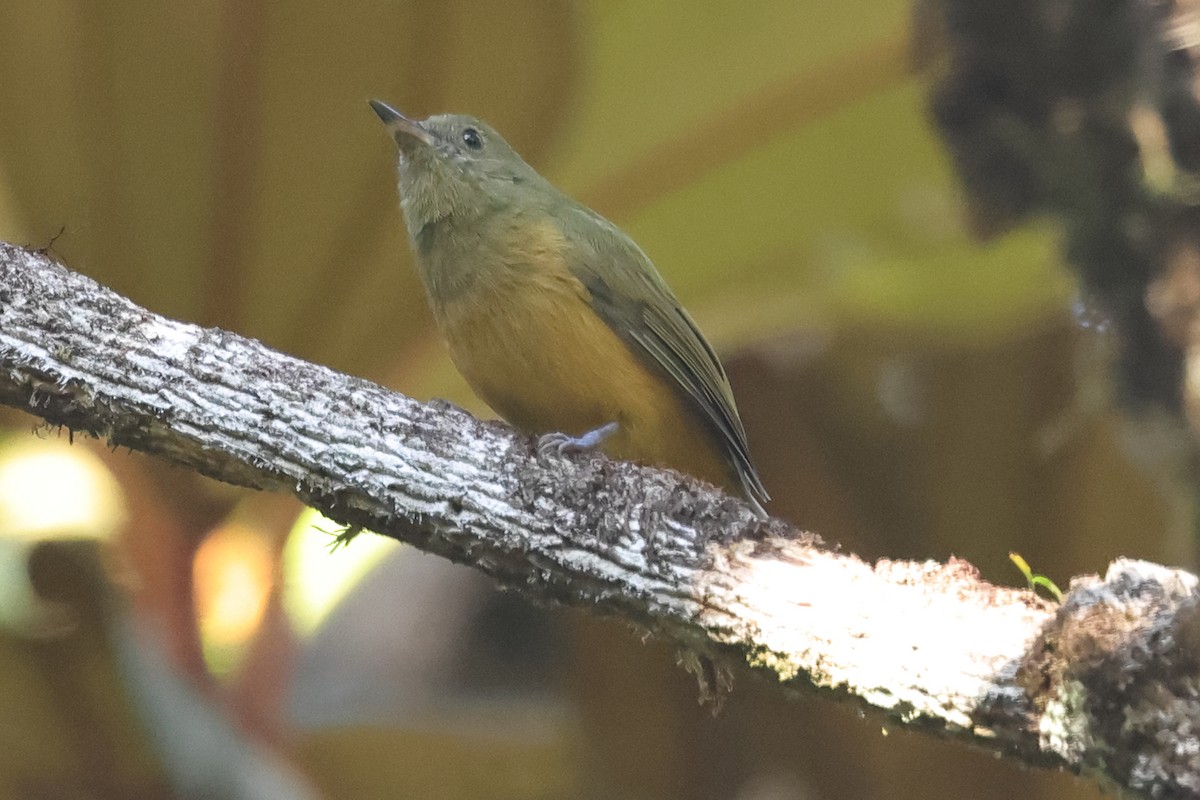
(555, 317)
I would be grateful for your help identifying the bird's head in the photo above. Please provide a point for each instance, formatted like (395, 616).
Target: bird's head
(454, 165)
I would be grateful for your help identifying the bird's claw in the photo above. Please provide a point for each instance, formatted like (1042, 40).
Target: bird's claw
(560, 444)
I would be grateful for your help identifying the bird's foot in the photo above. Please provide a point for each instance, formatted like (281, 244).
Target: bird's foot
(560, 444)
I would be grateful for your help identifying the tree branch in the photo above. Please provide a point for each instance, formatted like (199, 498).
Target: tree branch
(1105, 683)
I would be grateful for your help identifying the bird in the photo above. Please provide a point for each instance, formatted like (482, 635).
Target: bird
(554, 316)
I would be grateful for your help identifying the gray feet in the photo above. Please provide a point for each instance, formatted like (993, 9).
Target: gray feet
(560, 444)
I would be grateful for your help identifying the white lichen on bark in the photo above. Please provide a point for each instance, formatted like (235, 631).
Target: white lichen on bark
(1105, 683)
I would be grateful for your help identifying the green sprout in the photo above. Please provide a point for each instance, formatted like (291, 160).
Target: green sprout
(343, 537)
(1035, 581)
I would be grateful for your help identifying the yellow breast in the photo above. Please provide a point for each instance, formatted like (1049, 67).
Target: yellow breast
(528, 342)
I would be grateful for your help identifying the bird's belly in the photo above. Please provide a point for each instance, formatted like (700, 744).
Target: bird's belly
(543, 360)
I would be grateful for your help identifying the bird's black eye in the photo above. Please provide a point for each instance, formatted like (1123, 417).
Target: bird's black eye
(472, 139)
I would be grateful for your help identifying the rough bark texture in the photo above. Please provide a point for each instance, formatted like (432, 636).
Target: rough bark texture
(1089, 112)
(1105, 683)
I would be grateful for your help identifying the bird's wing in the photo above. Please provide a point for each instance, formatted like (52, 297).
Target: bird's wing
(632, 299)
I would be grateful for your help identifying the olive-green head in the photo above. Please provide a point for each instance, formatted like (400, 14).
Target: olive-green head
(453, 165)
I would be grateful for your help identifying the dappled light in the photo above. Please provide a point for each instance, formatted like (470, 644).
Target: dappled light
(907, 390)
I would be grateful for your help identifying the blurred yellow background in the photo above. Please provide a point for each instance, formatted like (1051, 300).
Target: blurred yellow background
(907, 391)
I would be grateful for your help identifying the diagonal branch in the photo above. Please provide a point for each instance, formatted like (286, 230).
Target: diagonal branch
(1105, 684)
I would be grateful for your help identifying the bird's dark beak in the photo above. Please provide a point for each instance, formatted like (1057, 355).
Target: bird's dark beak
(401, 127)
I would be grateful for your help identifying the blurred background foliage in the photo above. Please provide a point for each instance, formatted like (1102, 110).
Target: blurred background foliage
(908, 391)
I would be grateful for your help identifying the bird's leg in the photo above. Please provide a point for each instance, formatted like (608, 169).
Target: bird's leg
(559, 444)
